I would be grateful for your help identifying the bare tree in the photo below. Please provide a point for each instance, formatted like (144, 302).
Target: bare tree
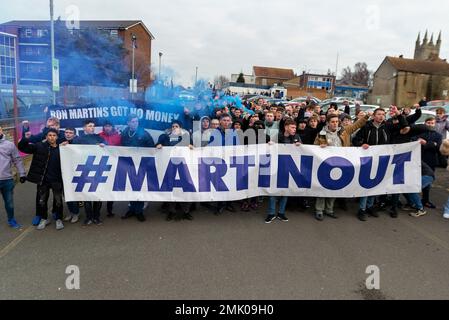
(221, 81)
(361, 75)
(346, 75)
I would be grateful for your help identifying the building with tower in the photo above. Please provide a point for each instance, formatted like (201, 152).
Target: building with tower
(403, 82)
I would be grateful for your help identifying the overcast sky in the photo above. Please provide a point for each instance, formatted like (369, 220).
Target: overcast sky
(229, 36)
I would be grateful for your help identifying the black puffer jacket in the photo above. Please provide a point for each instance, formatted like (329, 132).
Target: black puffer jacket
(140, 138)
(41, 152)
(290, 139)
(373, 136)
(89, 139)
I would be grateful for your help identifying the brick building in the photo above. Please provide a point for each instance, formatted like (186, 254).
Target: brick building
(34, 51)
(403, 82)
(266, 76)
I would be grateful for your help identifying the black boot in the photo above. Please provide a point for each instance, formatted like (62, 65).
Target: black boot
(362, 215)
(394, 212)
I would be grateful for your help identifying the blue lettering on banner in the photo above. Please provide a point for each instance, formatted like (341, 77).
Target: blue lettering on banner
(365, 171)
(242, 165)
(264, 171)
(399, 171)
(86, 169)
(185, 182)
(326, 168)
(207, 177)
(126, 169)
(287, 167)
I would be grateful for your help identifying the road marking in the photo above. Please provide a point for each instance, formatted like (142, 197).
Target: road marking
(428, 235)
(15, 242)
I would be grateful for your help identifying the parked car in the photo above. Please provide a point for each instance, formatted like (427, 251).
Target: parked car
(257, 97)
(425, 114)
(277, 102)
(342, 99)
(437, 103)
(304, 99)
(187, 95)
(434, 109)
(340, 105)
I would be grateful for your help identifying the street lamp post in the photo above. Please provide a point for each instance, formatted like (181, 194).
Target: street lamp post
(196, 76)
(160, 63)
(134, 39)
(52, 39)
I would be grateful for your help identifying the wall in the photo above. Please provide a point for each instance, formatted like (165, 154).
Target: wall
(384, 87)
(142, 53)
(296, 92)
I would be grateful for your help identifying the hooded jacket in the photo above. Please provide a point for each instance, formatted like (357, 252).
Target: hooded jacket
(430, 150)
(43, 156)
(113, 139)
(344, 134)
(442, 126)
(9, 155)
(373, 135)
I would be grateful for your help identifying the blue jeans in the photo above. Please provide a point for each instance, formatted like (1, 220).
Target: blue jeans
(366, 203)
(415, 198)
(6, 189)
(74, 208)
(446, 207)
(282, 205)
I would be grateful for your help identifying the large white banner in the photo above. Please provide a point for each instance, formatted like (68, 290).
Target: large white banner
(93, 173)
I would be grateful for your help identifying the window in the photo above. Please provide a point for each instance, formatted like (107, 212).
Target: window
(42, 33)
(114, 33)
(28, 33)
(29, 51)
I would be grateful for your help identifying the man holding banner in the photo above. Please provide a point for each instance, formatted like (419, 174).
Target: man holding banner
(136, 136)
(176, 137)
(45, 171)
(376, 132)
(289, 136)
(334, 136)
(91, 138)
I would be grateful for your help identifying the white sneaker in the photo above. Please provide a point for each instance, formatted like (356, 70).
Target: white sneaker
(68, 218)
(59, 225)
(418, 213)
(75, 219)
(43, 224)
(446, 216)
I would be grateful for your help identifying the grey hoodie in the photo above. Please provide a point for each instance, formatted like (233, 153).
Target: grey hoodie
(9, 155)
(442, 126)
(333, 138)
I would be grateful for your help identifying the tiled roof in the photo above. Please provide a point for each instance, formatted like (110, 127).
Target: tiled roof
(274, 73)
(420, 66)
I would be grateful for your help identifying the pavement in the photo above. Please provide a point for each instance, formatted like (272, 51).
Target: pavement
(228, 257)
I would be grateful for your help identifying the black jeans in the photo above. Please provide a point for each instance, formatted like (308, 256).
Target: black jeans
(110, 206)
(92, 210)
(43, 193)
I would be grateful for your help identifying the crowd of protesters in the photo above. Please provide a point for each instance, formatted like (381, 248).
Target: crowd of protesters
(226, 125)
